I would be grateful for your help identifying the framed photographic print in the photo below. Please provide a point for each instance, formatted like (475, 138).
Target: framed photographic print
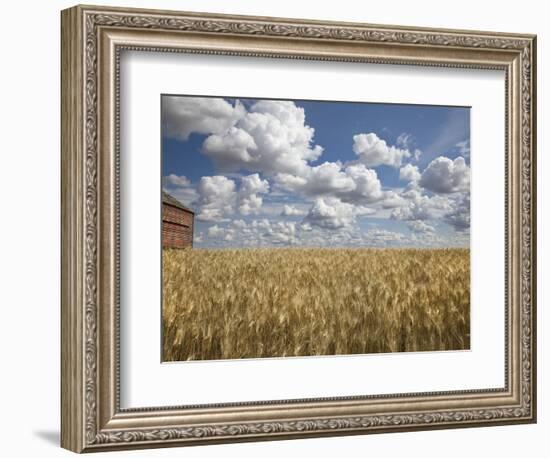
(277, 228)
(289, 254)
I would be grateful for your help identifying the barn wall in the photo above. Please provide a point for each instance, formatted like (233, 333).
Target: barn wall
(177, 227)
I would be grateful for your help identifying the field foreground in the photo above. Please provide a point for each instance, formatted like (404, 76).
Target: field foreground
(252, 303)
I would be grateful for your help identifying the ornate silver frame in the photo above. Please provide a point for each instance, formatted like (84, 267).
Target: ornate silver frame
(92, 39)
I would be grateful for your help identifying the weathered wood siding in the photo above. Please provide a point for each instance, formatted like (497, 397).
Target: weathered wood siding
(177, 227)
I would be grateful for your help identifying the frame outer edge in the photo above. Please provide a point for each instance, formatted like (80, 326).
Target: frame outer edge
(81, 430)
(72, 229)
(533, 253)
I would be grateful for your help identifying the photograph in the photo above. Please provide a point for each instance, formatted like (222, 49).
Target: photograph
(310, 228)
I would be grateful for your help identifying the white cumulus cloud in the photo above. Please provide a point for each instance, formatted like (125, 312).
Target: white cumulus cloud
(420, 226)
(332, 213)
(272, 137)
(420, 206)
(409, 172)
(250, 202)
(182, 116)
(459, 216)
(231, 149)
(374, 151)
(239, 224)
(354, 183)
(367, 185)
(443, 175)
(181, 188)
(174, 180)
(215, 231)
(217, 198)
(392, 199)
(289, 210)
(324, 179)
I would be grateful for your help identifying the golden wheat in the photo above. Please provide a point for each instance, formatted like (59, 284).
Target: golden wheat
(252, 303)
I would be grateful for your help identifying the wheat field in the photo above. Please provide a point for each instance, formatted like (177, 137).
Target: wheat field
(253, 303)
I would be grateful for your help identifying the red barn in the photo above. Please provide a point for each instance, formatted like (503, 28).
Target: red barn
(177, 223)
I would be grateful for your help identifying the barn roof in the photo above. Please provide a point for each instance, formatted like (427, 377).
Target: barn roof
(168, 199)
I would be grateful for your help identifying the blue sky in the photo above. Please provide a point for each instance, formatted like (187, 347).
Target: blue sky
(294, 173)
